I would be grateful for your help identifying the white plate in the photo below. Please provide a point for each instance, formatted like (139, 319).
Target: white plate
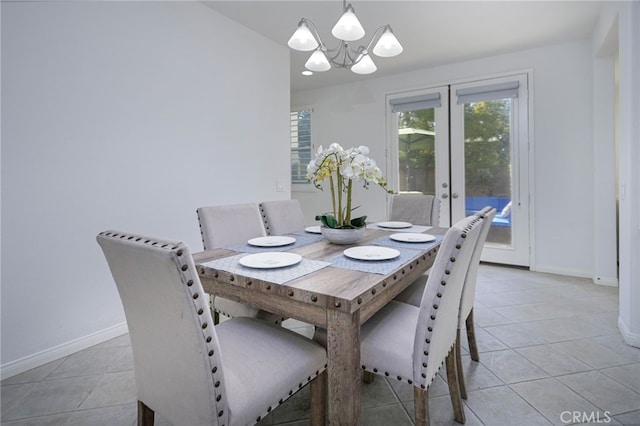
(410, 237)
(371, 253)
(394, 225)
(313, 229)
(272, 241)
(270, 260)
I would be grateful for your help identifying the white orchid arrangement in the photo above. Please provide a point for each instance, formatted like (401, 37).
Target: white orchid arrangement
(342, 167)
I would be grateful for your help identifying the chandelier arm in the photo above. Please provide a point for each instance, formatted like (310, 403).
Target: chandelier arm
(351, 56)
(314, 32)
(347, 54)
(376, 35)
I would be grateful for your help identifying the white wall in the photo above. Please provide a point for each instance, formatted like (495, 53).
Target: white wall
(629, 158)
(563, 211)
(121, 115)
(605, 48)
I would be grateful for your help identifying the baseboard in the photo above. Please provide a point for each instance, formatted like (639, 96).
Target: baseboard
(606, 281)
(21, 365)
(562, 271)
(629, 338)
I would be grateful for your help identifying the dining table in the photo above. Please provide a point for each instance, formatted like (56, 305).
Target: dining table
(325, 288)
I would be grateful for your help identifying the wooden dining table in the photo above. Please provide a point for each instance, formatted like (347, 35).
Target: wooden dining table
(332, 297)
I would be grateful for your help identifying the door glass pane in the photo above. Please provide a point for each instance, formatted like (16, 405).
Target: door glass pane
(416, 151)
(487, 154)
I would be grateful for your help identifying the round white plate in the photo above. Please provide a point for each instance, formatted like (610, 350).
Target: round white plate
(371, 253)
(410, 237)
(313, 229)
(394, 225)
(270, 260)
(272, 241)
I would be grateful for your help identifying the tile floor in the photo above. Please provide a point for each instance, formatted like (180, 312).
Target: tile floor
(550, 353)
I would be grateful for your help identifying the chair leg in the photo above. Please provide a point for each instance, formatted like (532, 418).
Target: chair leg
(421, 406)
(367, 376)
(214, 313)
(318, 388)
(471, 337)
(454, 389)
(459, 370)
(145, 415)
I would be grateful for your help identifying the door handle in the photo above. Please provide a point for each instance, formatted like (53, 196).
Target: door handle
(454, 195)
(445, 195)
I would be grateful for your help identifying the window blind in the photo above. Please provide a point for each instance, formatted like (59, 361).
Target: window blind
(489, 92)
(412, 103)
(300, 123)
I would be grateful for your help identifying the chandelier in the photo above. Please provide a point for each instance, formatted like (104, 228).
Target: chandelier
(346, 30)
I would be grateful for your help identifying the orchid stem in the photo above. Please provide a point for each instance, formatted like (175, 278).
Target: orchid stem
(348, 219)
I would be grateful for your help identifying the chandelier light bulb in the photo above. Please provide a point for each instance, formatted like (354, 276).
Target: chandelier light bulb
(348, 27)
(303, 39)
(388, 45)
(318, 62)
(365, 65)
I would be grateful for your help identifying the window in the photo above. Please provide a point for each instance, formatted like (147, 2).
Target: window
(300, 144)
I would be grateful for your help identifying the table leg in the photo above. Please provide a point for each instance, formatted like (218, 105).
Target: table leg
(343, 380)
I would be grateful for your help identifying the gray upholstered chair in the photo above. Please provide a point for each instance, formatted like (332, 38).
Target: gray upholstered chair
(418, 209)
(411, 343)
(282, 216)
(413, 296)
(225, 225)
(188, 370)
(469, 296)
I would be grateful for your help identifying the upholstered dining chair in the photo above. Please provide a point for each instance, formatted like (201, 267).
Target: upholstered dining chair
(418, 209)
(225, 225)
(188, 370)
(411, 343)
(282, 216)
(413, 296)
(469, 297)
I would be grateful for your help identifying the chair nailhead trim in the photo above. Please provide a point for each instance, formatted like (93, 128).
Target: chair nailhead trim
(186, 271)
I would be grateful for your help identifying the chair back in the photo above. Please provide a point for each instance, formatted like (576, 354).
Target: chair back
(178, 370)
(440, 305)
(229, 224)
(282, 216)
(418, 209)
(469, 289)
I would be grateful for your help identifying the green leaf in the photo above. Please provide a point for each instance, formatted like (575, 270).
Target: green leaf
(359, 222)
(328, 220)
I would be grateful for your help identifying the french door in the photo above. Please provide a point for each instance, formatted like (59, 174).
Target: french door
(467, 144)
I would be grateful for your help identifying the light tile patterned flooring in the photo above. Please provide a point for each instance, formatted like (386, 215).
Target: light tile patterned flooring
(550, 353)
